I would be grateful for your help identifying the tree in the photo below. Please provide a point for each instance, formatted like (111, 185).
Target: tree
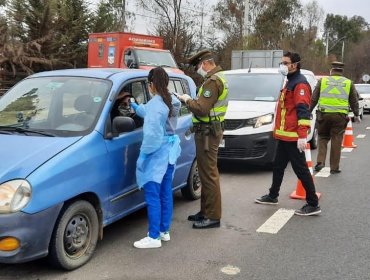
(339, 29)
(112, 16)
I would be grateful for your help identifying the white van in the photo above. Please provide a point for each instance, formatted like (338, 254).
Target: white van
(250, 115)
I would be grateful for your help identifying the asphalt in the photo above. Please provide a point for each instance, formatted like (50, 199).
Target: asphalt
(333, 245)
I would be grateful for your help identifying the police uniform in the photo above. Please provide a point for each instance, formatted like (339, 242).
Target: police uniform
(334, 94)
(208, 116)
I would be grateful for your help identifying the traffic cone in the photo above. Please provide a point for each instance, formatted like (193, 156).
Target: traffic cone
(300, 192)
(348, 139)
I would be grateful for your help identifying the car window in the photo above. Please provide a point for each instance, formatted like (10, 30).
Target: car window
(177, 86)
(254, 86)
(65, 104)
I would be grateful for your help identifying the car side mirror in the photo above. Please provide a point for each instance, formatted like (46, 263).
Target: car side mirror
(122, 124)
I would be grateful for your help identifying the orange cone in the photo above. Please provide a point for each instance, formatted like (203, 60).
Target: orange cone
(300, 192)
(348, 139)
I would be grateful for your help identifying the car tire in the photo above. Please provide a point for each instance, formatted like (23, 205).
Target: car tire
(75, 236)
(315, 139)
(193, 190)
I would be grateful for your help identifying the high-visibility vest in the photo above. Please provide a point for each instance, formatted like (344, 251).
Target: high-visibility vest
(334, 93)
(219, 109)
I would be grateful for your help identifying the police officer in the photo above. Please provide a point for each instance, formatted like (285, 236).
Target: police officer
(208, 117)
(334, 94)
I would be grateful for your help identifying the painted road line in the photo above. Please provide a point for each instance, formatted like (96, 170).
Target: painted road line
(347, 150)
(361, 136)
(276, 221)
(368, 128)
(325, 172)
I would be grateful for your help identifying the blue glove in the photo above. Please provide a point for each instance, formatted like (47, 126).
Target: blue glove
(134, 106)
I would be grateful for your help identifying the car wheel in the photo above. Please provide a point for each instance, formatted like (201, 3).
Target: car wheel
(193, 189)
(75, 236)
(315, 139)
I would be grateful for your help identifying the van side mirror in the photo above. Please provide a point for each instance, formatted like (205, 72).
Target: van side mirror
(131, 64)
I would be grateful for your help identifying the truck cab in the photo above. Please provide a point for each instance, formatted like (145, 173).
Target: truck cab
(129, 50)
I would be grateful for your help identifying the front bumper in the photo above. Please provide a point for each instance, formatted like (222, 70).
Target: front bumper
(32, 230)
(259, 149)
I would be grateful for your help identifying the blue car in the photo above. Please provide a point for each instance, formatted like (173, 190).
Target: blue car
(68, 159)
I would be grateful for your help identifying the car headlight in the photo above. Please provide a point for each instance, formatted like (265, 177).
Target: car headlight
(266, 119)
(14, 195)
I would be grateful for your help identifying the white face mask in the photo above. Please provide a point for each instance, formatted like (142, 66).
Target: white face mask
(201, 72)
(283, 69)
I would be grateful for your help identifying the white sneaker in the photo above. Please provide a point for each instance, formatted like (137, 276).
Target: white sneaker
(165, 236)
(148, 243)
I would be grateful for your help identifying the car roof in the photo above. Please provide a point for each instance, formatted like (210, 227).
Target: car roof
(102, 73)
(261, 71)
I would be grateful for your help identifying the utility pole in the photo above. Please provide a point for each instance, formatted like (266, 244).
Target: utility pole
(343, 51)
(201, 27)
(246, 22)
(123, 15)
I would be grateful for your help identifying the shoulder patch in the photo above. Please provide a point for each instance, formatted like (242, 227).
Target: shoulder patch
(207, 94)
(301, 92)
(213, 78)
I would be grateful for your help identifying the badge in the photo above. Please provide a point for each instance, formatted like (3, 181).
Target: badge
(207, 93)
(301, 92)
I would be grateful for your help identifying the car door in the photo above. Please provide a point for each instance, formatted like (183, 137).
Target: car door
(123, 152)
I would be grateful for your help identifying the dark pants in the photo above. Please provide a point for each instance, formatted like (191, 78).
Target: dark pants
(331, 128)
(288, 151)
(210, 201)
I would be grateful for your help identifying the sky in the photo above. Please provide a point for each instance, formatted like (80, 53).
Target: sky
(348, 8)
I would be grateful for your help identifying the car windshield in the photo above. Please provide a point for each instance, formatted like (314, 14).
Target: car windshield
(361, 89)
(254, 86)
(155, 58)
(61, 106)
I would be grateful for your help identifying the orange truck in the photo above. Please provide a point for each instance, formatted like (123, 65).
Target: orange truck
(128, 50)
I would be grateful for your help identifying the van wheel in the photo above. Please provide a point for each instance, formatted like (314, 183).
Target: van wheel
(315, 139)
(193, 189)
(75, 236)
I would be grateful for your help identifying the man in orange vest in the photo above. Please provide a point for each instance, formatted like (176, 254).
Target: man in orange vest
(291, 125)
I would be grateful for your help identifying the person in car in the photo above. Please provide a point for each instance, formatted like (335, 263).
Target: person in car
(159, 151)
(291, 126)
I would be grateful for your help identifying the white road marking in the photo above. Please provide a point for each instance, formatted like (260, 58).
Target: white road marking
(368, 127)
(325, 172)
(276, 221)
(347, 150)
(361, 136)
(230, 270)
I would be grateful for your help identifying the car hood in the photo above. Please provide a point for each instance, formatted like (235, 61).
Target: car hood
(21, 155)
(249, 109)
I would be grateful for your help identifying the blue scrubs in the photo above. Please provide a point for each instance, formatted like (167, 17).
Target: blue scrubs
(156, 163)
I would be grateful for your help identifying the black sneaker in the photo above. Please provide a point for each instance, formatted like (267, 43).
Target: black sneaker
(319, 166)
(308, 210)
(266, 199)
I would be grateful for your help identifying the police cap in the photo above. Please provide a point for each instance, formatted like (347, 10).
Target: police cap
(337, 65)
(200, 56)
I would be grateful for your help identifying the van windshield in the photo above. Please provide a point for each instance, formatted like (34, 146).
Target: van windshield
(254, 86)
(62, 106)
(155, 58)
(362, 88)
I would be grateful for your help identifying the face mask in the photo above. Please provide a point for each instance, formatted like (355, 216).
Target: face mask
(201, 72)
(283, 70)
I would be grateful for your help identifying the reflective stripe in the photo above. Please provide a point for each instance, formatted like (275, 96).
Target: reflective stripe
(219, 110)
(334, 92)
(304, 122)
(291, 134)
